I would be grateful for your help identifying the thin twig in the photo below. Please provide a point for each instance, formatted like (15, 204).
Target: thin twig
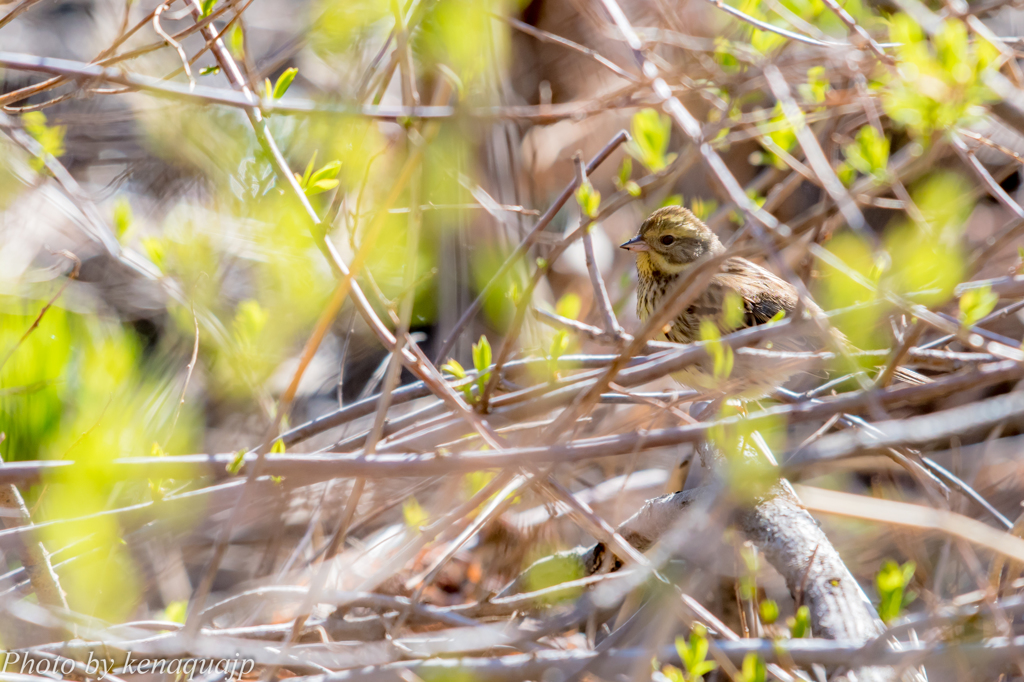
(604, 304)
(523, 247)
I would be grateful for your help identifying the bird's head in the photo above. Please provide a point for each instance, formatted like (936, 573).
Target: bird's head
(670, 239)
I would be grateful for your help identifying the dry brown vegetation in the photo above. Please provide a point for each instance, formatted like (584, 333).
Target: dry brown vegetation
(361, 257)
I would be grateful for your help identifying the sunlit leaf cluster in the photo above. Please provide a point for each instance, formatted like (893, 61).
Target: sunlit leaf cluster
(938, 82)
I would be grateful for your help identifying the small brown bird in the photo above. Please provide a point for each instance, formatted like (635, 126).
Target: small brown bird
(742, 294)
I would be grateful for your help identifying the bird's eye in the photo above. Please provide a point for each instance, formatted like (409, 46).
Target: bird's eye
(667, 240)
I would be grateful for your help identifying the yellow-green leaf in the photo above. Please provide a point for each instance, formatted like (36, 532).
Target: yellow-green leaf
(769, 611)
(482, 354)
(235, 465)
(800, 625)
(733, 310)
(236, 41)
(176, 611)
(753, 669)
(321, 186)
(976, 304)
(589, 199)
(414, 514)
(651, 133)
(892, 581)
(122, 217)
(50, 138)
(283, 81)
(569, 306)
(721, 355)
(454, 368)
(625, 172)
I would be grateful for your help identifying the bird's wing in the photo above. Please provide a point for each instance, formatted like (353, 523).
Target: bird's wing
(763, 294)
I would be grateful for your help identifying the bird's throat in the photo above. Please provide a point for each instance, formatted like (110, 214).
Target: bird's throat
(652, 264)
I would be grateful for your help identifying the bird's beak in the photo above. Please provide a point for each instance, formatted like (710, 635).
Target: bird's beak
(635, 244)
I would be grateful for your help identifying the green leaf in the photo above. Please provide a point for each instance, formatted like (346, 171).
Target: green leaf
(209, 70)
(323, 180)
(721, 355)
(175, 611)
(869, 154)
(304, 180)
(283, 81)
(694, 653)
(938, 85)
(753, 669)
(155, 250)
(569, 306)
(236, 41)
(552, 570)
(235, 465)
(50, 138)
(891, 581)
(625, 172)
(623, 177)
(250, 320)
(702, 669)
(733, 310)
(703, 208)
(277, 448)
(725, 58)
(846, 173)
(766, 42)
(454, 368)
(559, 346)
(122, 217)
(951, 45)
(800, 625)
(781, 133)
(481, 361)
(769, 611)
(651, 133)
(206, 8)
(474, 481)
(817, 85)
(976, 304)
(327, 171)
(482, 354)
(320, 186)
(414, 515)
(589, 199)
(673, 674)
